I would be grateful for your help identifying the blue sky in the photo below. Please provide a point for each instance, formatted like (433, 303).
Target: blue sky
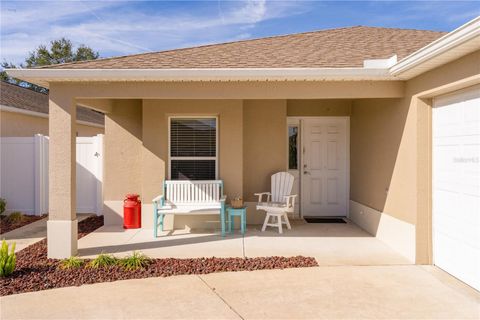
(127, 27)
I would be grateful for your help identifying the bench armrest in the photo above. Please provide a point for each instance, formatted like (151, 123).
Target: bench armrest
(261, 194)
(158, 198)
(223, 198)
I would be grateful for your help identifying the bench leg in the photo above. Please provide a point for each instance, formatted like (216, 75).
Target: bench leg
(243, 223)
(222, 222)
(161, 221)
(155, 223)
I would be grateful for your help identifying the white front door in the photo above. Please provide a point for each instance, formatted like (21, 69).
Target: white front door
(456, 184)
(324, 168)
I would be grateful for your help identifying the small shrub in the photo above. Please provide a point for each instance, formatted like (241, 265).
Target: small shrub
(15, 217)
(72, 262)
(3, 205)
(135, 261)
(7, 260)
(103, 260)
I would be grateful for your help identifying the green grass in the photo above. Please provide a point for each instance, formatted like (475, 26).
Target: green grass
(135, 261)
(103, 260)
(72, 262)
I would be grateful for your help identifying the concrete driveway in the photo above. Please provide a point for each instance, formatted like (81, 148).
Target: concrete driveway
(326, 292)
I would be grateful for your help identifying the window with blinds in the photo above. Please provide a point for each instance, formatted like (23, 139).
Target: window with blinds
(193, 148)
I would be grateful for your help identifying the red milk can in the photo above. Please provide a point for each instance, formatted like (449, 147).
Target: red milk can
(132, 212)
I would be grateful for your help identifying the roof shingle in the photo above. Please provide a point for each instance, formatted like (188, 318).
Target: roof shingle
(334, 48)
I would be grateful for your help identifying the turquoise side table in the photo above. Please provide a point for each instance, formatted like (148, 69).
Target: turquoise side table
(237, 212)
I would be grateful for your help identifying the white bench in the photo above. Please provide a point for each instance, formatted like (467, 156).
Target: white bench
(187, 197)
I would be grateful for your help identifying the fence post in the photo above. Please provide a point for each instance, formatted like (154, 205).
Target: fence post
(98, 146)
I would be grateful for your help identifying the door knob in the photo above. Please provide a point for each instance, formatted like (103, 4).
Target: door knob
(306, 172)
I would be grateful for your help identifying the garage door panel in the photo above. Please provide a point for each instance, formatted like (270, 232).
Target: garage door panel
(456, 184)
(445, 203)
(454, 254)
(459, 231)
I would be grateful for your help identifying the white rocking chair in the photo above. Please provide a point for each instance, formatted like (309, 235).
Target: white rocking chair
(279, 202)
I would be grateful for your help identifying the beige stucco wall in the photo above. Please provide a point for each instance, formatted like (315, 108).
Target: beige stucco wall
(391, 148)
(382, 170)
(264, 146)
(319, 107)
(22, 125)
(122, 172)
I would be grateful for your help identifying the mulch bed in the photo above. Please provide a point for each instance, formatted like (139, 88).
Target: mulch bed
(34, 272)
(6, 225)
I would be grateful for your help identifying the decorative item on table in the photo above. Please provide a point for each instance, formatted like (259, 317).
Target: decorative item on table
(236, 202)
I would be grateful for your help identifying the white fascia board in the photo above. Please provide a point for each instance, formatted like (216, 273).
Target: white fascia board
(470, 31)
(4, 108)
(227, 74)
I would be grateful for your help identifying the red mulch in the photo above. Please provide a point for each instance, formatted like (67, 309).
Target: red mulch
(34, 272)
(6, 225)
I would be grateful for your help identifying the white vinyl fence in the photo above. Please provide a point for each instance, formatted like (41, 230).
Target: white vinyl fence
(24, 174)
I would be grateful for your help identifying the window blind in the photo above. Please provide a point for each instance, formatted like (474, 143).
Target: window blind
(193, 148)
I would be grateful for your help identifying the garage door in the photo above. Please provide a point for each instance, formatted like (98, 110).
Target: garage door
(456, 184)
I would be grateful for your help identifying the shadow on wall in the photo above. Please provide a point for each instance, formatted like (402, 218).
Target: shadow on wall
(383, 159)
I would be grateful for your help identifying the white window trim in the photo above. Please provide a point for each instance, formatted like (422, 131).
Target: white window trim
(170, 158)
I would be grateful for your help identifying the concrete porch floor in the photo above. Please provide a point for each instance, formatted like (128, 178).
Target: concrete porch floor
(330, 244)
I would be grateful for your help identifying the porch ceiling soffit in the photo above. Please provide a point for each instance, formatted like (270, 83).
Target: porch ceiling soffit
(101, 105)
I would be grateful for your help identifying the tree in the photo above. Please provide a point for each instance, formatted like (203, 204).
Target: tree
(3, 74)
(60, 51)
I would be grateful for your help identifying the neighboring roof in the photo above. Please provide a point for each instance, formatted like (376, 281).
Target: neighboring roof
(334, 48)
(22, 98)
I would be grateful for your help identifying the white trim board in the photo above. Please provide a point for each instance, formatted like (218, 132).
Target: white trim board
(397, 234)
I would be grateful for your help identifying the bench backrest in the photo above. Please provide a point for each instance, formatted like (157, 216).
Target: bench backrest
(189, 192)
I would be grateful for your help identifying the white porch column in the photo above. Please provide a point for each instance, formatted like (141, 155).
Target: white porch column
(62, 218)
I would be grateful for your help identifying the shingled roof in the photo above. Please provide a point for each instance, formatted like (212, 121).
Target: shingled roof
(334, 48)
(22, 98)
